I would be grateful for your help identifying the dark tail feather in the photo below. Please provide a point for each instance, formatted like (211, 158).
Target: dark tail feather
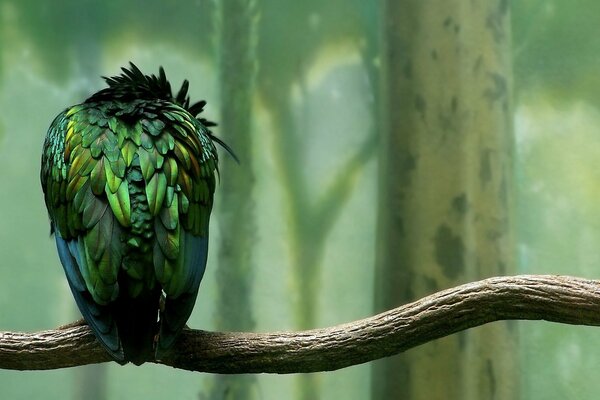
(177, 310)
(137, 323)
(99, 318)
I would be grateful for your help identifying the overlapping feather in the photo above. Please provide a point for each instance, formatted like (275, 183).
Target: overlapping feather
(90, 158)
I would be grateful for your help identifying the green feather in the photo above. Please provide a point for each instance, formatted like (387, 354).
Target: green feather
(93, 210)
(112, 154)
(146, 164)
(158, 159)
(128, 151)
(169, 215)
(163, 143)
(169, 196)
(82, 197)
(95, 242)
(61, 220)
(55, 187)
(101, 293)
(175, 115)
(74, 186)
(182, 133)
(182, 155)
(122, 134)
(136, 134)
(114, 126)
(185, 182)
(204, 191)
(170, 170)
(120, 203)
(113, 181)
(134, 270)
(118, 167)
(153, 126)
(165, 272)
(72, 145)
(94, 116)
(108, 270)
(168, 240)
(87, 165)
(96, 147)
(155, 192)
(98, 177)
(81, 162)
(73, 110)
(89, 134)
(183, 203)
(147, 141)
(174, 282)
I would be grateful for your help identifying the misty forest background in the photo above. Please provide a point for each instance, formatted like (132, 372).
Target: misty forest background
(389, 149)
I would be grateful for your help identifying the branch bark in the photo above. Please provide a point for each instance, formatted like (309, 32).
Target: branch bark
(562, 299)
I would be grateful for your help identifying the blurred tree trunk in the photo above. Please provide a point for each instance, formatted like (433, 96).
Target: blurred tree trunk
(445, 188)
(91, 382)
(292, 39)
(237, 52)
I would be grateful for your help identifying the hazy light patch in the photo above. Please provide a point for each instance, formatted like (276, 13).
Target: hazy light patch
(335, 119)
(271, 257)
(558, 170)
(332, 56)
(559, 155)
(566, 356)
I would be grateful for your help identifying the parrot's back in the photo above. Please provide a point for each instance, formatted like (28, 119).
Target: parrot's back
(128, 179)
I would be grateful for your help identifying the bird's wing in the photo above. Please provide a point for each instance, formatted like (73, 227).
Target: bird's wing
(83, 177)
(181, 246)
(84, 163)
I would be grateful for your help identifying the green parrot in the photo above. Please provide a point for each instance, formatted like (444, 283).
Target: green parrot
(128, 179)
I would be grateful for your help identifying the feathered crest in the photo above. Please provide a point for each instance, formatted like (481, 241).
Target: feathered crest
(133, 84)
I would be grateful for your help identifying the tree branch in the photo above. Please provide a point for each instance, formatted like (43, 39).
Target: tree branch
(533, 297)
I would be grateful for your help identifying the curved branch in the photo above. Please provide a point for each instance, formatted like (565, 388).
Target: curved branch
(553, 298)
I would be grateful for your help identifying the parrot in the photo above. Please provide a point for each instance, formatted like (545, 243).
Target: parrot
(128, 177)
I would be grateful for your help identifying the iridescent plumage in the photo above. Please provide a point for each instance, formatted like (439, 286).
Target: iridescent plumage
(128, 178)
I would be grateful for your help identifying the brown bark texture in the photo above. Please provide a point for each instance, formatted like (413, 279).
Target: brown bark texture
(562, 299)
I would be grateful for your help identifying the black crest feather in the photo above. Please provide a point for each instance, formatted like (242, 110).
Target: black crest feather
(133, 84)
